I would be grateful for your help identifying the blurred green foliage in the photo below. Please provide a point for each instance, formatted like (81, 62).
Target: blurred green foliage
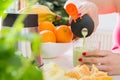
(13, 66)
(57, 6)
(4, 4)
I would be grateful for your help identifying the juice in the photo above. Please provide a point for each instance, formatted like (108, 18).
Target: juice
(77, 53)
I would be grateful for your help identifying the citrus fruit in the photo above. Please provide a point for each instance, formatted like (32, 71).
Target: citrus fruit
(47, 36)
(63, 34)
(46, 26)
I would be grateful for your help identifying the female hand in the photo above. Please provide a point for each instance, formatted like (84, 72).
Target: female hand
(87, 7)
(109, 62)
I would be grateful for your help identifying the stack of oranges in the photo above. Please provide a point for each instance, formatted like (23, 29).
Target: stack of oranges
(50, 33)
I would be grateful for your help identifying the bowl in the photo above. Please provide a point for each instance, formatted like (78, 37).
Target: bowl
(53, 50)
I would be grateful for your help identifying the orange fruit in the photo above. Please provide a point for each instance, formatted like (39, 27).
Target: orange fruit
(63, 34)
(47, 36)
(46, 26)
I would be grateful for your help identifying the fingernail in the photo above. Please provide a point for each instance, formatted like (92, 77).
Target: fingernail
(69, 24)
(84, 53)
(79, 14)
(80, 59)
(114, 48)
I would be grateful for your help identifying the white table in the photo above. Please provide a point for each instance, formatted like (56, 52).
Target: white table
(66, 62)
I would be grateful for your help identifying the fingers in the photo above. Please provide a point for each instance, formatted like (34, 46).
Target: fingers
(99, 62)
(104, 68)
(83, 10)
(96, 52)
(94, 60)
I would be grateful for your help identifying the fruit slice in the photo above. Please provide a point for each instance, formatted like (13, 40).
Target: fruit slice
(74, 74)
(94, 69)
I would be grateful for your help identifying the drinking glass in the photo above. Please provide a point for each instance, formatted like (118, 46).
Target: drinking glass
(79, 49)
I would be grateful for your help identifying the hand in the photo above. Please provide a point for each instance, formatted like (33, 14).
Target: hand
(85, 7)
(109, 62)
(91, 9)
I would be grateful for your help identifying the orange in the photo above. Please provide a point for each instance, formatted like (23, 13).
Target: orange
(47, 36)
(46, 26)
(63, 34)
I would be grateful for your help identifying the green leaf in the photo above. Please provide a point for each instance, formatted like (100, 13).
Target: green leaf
(12, 65)
(32, 73)
(4, 4)
(36, 45)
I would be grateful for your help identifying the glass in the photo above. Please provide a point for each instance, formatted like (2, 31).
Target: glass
(77, 53)
(79, 49)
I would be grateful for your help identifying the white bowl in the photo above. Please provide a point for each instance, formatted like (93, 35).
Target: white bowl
(52, 50)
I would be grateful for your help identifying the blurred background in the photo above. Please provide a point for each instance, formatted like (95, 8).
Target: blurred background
(106, 22)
